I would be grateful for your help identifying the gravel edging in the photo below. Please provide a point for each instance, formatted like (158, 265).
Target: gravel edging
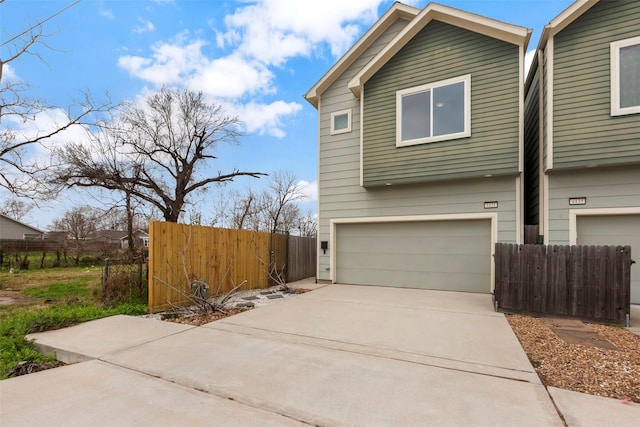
(613, 373)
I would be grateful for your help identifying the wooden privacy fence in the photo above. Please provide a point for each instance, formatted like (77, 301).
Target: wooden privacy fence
(589, 282)
(181, 254)
(301, 257)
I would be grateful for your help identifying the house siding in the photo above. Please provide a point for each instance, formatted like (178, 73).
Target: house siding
(449, 52)
(532, 152)
(12, 230)
(584, 132)
(339, 155)
(603, 187)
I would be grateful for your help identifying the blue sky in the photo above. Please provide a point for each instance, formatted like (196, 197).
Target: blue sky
(257, 58)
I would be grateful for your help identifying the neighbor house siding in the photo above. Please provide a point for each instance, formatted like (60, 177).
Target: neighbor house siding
(339, 155)
(584, 132)
(532, 151)
(441, 51)
(13, 230)
(603, 187)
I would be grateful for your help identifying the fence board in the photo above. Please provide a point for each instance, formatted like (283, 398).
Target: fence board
(301, 258)
(180, 254)
(590, 282)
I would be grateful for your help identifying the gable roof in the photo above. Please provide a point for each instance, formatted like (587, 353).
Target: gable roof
(396, 11)
(566, 17)
(557, 24)
(509, 33)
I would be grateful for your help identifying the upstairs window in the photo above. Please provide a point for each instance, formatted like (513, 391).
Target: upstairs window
(340, 122)
(625, 77)
(434, 112)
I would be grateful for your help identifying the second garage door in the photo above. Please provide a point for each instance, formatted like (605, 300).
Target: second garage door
(614, 230)
(442, 255)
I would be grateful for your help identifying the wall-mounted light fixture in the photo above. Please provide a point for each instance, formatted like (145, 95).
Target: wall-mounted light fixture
(324, 245)
(577, 201)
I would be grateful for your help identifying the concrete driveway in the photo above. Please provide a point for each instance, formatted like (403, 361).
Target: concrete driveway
(340, 355)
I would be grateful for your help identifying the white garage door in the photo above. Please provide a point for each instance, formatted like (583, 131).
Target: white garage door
(443, 255)
(616, 230)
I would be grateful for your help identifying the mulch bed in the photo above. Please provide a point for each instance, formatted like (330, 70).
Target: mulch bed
(600, 360)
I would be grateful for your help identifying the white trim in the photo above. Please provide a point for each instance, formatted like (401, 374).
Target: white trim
(466, 80)
(480, 24)
(335, 114)
(574, 213)
(519, 209)
(566, 17)
(521, 96)
(393, 14)
(542, 192)
(362, 140)
(545, 200)
(615, 47)
(549, 94)
(333, 223)
(318, 250)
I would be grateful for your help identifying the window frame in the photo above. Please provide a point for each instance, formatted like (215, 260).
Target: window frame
(615, 47)
(335, 114)
(466, 79)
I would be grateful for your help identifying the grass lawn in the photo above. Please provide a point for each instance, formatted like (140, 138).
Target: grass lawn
(50, 299)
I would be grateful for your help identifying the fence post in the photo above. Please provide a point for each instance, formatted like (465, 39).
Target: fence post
(105, 277)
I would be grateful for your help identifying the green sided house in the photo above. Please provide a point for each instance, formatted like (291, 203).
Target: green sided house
(421, 151)
(582, 129)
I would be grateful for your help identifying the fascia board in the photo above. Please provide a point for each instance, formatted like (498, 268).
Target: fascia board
(396, 11)
(490, 27)
(566, 17)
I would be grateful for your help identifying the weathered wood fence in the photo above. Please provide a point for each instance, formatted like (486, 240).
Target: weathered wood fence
(181, 254)
(301, 257)
(588, 282)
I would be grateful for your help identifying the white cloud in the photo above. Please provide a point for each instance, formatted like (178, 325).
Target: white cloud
(106, 13)
(310, 189)
(231, 77)
(257, 37)
(265, 118)
(275, 30)
(8, 74)
(144, 26)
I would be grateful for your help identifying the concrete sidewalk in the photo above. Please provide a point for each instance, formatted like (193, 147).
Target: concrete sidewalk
(340, 355)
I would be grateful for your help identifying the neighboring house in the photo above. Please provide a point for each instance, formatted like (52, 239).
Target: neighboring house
(421, 151)
(11, 229)
(141, 237)
(583, 129)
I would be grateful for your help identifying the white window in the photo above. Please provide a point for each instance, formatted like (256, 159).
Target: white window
(434, 112)
(625, 77)
(340, 122)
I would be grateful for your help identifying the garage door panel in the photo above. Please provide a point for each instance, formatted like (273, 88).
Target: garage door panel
(444, 255)
(619, 230)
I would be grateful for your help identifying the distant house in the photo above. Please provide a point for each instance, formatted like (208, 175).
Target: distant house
(142, 240)
(11, 229)
(582, 129)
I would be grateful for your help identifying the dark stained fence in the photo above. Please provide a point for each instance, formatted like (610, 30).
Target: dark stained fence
(588, 282)
(531, 234)
(301, 258)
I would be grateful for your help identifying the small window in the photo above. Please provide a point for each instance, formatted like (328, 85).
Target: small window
(340, 122)
(434, 112)
(625, 77)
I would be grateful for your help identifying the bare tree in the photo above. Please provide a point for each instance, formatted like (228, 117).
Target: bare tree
(18, 172)
(15, 208)
(154, 152)
(77, 225)
(277, 201)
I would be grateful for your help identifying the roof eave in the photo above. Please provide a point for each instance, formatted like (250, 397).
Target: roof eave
(507, 32)
(395, 12)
